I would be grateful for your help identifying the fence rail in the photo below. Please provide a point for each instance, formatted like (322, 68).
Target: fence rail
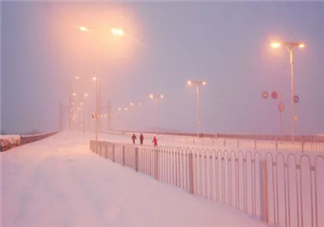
(11, 141)
(285, 189)
(33, 138)
(298, 138)
(243, 142)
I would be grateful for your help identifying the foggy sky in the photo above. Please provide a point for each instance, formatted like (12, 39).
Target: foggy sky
(225, 44)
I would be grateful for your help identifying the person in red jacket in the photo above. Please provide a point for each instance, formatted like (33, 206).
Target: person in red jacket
(154, 141)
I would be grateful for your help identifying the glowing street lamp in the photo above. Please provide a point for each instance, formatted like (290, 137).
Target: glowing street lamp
(197, 83)
(135, 103)
(84, 29)
(157, 97)
(115, 32)
(290, 47)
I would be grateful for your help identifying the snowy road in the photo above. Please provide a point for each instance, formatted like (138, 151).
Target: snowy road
(59, 182)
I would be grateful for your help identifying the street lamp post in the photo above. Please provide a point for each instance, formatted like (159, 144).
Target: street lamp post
(197, 83)
(115, 32)
(84, 110)
(157, 97)
(290, 46)
(97, 106)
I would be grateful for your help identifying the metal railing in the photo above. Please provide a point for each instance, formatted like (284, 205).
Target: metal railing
(7, 144)
(9, 141)
(287, 138)
(285, 189)
(248, 144)
(307, 144)
(33, 138)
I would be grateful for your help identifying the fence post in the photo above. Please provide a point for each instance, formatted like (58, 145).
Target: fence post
(113, 153)
(136, 159)
(191, 174)
(255, 145)
(123, 155)
(102, 148)
(276, 145)
(107, 150)
(156, 163)
(224, 142)
(238, 143)
(264, 194)
(303, 143)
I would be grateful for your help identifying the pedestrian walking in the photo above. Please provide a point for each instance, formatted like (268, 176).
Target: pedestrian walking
(141, 139)
(133, 138)
(154, 141)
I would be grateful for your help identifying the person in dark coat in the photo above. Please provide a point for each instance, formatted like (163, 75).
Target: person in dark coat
(141, 138)
(133, 138)
(154, 141)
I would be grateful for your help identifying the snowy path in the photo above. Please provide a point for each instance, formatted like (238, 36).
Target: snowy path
(59, 182)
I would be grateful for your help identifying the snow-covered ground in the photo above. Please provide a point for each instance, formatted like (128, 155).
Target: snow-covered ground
(58, 181)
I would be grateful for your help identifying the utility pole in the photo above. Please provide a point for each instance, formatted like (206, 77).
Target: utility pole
(62, 110)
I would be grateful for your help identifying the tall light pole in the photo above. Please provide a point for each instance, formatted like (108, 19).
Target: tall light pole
(97, 106)
(197, 83)
(84, 110)
(115, 32)
(157, 97)
(290, 46)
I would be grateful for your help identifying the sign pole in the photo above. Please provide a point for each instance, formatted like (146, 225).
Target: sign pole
(281, 108)
(281, 132)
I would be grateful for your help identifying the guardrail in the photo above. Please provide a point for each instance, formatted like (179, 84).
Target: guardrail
(285, 189)
(238, 143)
(298, 138)
(33, 138)
(11, 141)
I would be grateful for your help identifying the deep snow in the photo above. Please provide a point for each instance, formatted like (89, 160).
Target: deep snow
(58, 181)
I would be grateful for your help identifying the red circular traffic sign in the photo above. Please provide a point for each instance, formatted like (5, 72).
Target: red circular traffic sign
(274, 95)
(281, 107)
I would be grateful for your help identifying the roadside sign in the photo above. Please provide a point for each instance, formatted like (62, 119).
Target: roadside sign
(281, 107)
(274, 95)
(296, 99)
(265, 94)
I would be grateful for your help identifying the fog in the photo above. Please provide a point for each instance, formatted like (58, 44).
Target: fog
(165, 44)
